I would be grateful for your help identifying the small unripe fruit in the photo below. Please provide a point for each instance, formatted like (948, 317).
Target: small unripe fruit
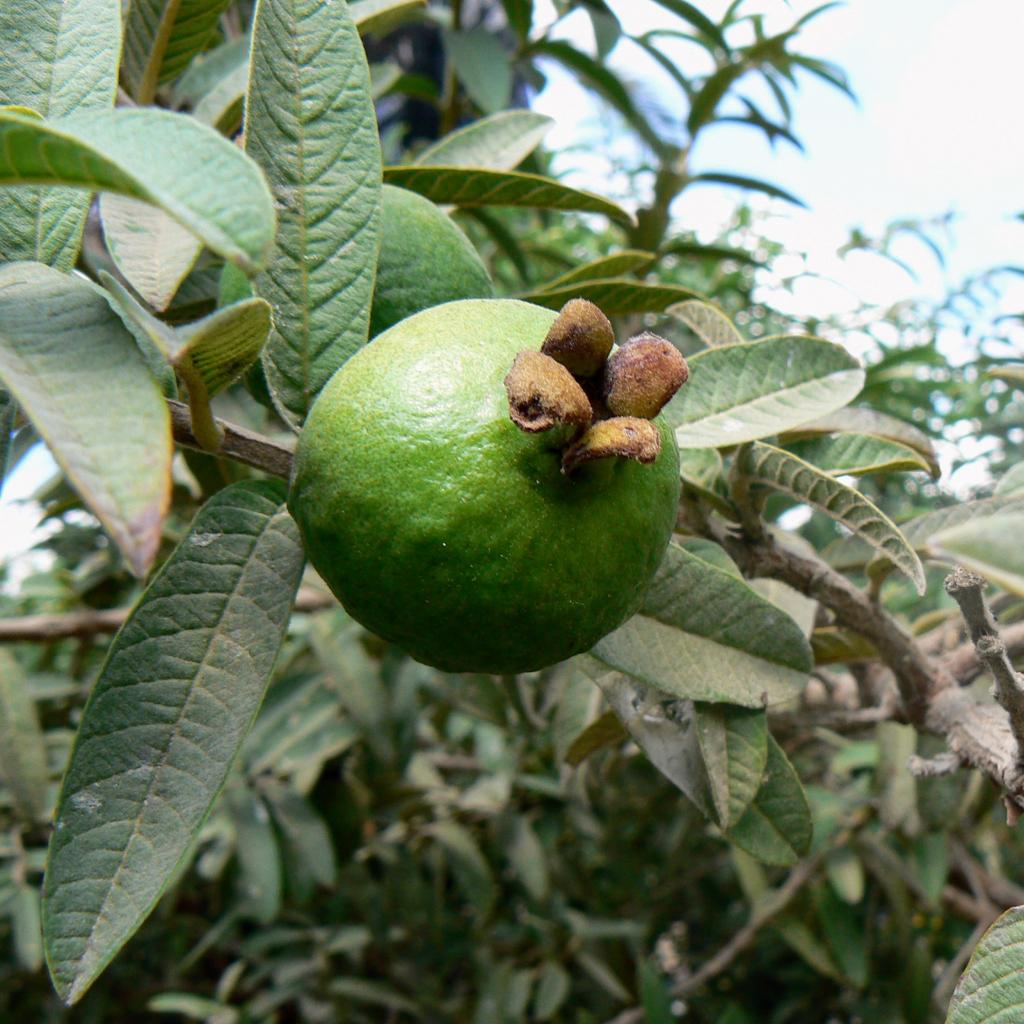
(642, 376)
(543, 394)
(580, 338)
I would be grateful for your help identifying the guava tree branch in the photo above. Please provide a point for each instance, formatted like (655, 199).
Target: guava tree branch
(967, 589)
(71, 625)
(917, 678)
(979, 734)
(242, 445)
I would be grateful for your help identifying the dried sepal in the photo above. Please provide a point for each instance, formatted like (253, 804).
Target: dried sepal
(643, 375)
(580, 338)
(625, 437)
(543, 394)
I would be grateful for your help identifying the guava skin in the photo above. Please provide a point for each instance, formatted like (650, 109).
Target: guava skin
(425, 259)
(443, 528)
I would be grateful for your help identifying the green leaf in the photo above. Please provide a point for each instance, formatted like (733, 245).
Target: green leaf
(208, 69)
(77, 374)
(991, 989)
(58, 57)
(310, 124)
(170, 160)
(708, 322)
(615, 296)
(218, 348)
(470, 186)
(921, 530)
(776, 827)
(22, 747)
(734, 744)
(858, 455)
(605, 731)
(173, 702)
(855, 420)
(1011, 482)
(257, 853)
(482, 66)
(692, 14)
(527, 857)
(307, 840)
(623, 262)
(221, 107)
(160, 39)
(779, 470)
(153, 252)
(498, 143)
(711, 93)
(835, 646)
(704, 634)
(661, 726)
(747, 184)
(553, 987)
(27, 933)
(377, 15)
(469, 866)
(686, 248)
(602, 81)
(990, 546)
(739, 393)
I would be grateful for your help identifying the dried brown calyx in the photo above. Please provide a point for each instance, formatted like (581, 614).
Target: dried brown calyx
(543, 394)
(643, 375)
(580, 338)
(605, 400)
(624, 437)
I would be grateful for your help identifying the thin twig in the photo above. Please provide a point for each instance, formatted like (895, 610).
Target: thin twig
(763, 913)
(239, 444)
(916, 676)
(967, 589)
(45, 628)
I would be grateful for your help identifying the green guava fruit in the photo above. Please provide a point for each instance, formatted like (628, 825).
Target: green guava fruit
(446, 529)
(425, 260)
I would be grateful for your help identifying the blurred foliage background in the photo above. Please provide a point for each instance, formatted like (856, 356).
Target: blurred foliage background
(401, 845)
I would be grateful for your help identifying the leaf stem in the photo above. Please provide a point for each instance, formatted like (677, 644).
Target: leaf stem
(242, 445)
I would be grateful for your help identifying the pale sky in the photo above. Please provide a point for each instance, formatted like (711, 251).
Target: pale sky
(937, 129)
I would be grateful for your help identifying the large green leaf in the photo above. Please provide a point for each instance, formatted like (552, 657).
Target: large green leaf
(57, 57)
(616, 265)
(739, 393)
(603, 81)
(868, 421)
(704, 634)
(498, 143)
(708, 322)
(152, 251)
(22, 747)
(749, 184)
(471, 186)
(209, 69)
(776, 827)
(161, 37)
(734, 744)
(858, 455)
(662, 727)
(79, 377)
(1011, 482)
(615, 296)
(990, 546)
(173, 702)
(481, 64)
(781, 471)
(991, 989)
(170, 160)
(374, 15)
(310, 124)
